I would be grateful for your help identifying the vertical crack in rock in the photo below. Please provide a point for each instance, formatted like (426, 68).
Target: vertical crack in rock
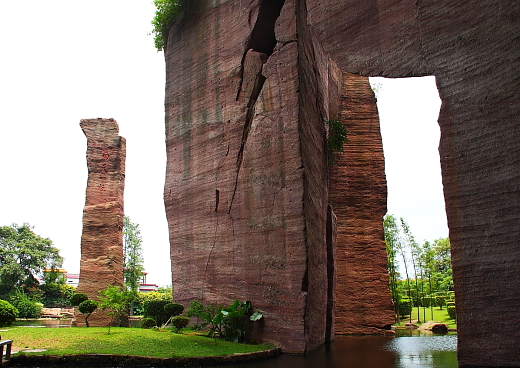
(260, 46)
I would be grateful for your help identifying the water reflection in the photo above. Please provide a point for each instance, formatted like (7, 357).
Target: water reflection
(423, 351)
(43, 322)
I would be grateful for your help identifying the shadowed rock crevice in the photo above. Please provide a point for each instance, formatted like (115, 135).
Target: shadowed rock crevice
(260, 46)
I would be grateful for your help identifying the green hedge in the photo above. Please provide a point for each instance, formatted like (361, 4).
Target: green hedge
(8, 313)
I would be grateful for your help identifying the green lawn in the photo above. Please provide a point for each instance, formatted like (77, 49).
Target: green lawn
(439, 315)
(121, 341)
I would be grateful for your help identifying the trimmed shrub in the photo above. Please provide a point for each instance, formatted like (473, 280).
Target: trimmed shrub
(148, 322)
(440, 299)
(8, 313)
(87, 307)
(173, 309)
(155, 309)
(180, 322)
(450, 308)
(77, 298)
(405, 307)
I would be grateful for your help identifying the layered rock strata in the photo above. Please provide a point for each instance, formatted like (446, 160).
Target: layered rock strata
(242, 169)
(358, 195)
(245, 192)
(102, 241)
(248, 93)
(472, 48)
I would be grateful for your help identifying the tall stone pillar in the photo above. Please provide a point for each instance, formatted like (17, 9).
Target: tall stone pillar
(102, 239)
(357, 186)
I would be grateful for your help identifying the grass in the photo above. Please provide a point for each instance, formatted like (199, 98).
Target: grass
(121, 341)
(439, 315)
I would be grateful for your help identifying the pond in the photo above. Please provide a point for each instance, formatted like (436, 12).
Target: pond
(43, 322)
(409, 349)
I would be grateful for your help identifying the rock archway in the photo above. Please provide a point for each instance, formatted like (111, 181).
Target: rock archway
(246, 189)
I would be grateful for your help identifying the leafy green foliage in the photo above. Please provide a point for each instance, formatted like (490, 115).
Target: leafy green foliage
(8, 313)
(180, 322)
(87, 307)
(77, 298)
(336, 138)
(228, 323)
(173, 309)
(155, 309)
(23, 256)
(27, 308)
(132, 255)
(148, 322)
(427, 268)
(116, 302)
(165, 13)
(57, 295)
(405, 307)
(450, 307)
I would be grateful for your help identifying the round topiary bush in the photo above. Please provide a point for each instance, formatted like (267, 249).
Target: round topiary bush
(87, 307)
(78, 298)
(180, 322)
(173, 309)
(148, 322)
(8, 313)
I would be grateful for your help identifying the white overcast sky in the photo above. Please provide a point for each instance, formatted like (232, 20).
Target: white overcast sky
(66, 60)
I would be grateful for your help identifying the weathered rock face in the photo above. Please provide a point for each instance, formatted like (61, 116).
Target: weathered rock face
(358, 196)
(102, 239)
(246, 185)
(472, 47)
(248, 92)
(248, 87)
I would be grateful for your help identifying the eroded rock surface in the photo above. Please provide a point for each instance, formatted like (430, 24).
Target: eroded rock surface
(358, 196)
(473, 49)
(102, 240)
(249, 90)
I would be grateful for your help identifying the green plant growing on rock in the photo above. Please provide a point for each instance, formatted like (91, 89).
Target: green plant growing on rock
(165, 13)
(336, 137)
(87, 307)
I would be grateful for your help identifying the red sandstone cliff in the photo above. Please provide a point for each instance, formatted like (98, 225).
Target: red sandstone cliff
(248, 92)
(244, 191)
(102, 241)
(358, 196)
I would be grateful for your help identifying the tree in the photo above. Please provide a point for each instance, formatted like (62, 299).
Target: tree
(77, 298)
(116, 302)
(132, 255)
(23, 256)
(391, 239)
(87, 307)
